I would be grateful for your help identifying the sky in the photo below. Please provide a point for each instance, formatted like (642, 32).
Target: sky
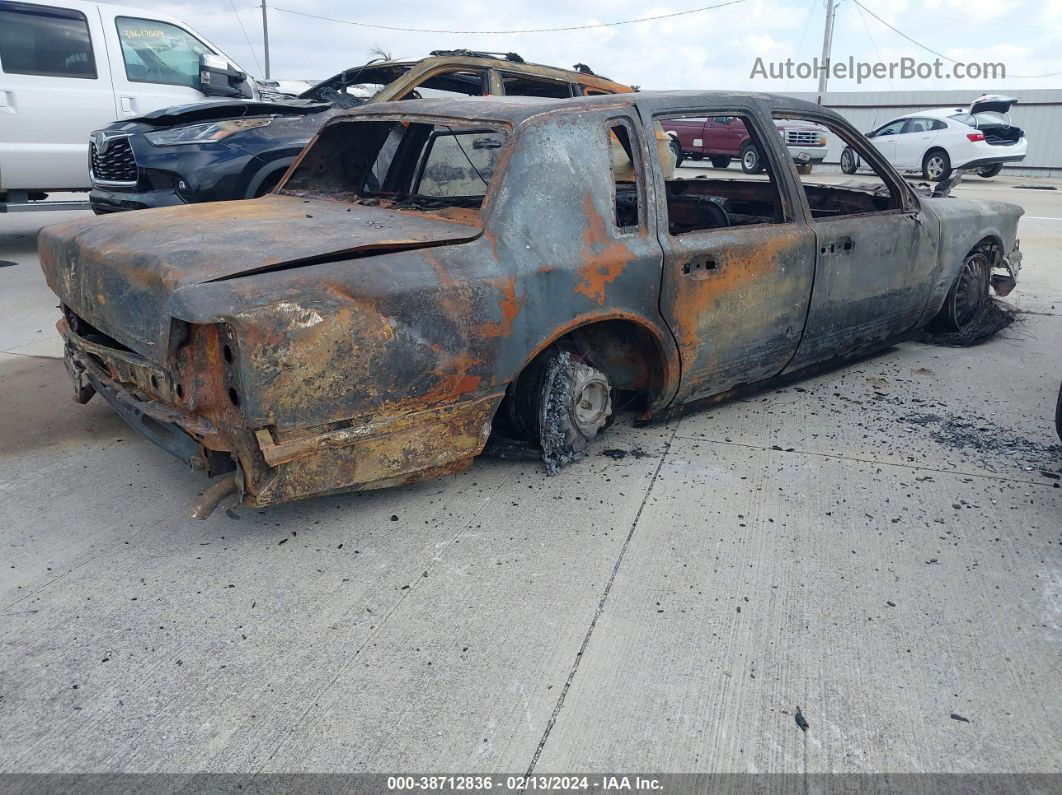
(712, 49)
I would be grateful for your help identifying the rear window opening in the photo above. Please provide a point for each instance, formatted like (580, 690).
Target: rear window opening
(427, 166)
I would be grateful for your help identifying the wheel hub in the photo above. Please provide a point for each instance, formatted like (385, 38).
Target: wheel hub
(591, 399)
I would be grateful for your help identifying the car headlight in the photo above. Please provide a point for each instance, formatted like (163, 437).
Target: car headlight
(203, 133)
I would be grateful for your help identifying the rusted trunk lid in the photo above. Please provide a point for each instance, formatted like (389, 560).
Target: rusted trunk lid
(120, 272)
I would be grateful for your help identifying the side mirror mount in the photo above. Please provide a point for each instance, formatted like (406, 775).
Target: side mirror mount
(219, 78)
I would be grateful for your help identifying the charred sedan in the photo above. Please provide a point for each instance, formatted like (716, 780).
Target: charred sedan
(435, 271)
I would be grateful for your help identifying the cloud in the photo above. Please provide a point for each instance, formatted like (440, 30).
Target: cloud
(711, 50)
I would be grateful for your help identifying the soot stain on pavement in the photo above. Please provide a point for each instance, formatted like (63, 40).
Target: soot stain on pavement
(985, 437)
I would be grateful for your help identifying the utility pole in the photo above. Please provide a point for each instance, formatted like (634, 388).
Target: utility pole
(827, 46)
(265, 37)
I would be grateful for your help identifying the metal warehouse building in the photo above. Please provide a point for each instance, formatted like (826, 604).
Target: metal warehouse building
(1038, 112)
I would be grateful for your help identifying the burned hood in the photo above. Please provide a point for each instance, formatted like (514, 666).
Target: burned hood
(120, 272)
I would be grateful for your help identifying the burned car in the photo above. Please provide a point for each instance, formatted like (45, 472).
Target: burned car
(433, 272)
(239, 149)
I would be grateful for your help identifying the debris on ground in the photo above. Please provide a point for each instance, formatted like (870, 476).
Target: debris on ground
(801, 721)
(982, 435)
(995, 317)
(618, 453)
(1036, 186)
(958, 717)
(6, 263)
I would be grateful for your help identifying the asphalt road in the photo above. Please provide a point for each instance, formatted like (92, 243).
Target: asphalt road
(878, 545)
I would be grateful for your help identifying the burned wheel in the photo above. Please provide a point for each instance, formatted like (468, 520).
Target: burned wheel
(574, 405)
(556, 407)
(967, 297)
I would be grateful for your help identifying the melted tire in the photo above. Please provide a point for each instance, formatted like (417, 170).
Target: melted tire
(565, 427)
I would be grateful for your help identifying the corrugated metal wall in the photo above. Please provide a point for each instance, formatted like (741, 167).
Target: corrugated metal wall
(1039, 113)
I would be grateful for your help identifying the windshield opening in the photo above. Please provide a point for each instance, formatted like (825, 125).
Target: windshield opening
(406, 165)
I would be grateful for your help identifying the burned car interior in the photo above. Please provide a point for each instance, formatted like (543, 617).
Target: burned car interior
(405, 164)
(873, 194)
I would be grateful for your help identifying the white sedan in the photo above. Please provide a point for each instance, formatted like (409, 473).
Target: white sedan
(938, 141)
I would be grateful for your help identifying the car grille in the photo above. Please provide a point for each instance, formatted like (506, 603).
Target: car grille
(115, 165)
(803, 138)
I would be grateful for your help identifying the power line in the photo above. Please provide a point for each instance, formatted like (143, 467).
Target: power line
(873, 43)
(931, 50)
(803, 33)
(525, 30)
(246, 38)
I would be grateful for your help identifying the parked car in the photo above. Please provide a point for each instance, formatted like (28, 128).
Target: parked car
(433, 271)
(723, 138)
(1058, 414)
(68, 67)
(979, 138)
(239, 150)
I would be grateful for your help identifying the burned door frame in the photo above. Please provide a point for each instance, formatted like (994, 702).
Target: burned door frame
(735, 298)
(873, 270)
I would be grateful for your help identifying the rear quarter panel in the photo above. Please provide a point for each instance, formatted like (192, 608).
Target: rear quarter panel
(405, 331)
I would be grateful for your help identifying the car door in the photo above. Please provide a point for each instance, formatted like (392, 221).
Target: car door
(738, 267)
(54, 90)
(885, 137)
(876, 257)
(911, 144)
(726, 135)
(154, 64)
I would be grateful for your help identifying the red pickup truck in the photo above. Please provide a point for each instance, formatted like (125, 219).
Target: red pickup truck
(723, 138)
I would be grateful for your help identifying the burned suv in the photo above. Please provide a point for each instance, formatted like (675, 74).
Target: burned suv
(240, 149)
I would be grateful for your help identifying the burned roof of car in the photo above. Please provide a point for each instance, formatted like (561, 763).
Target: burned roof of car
(515, 109)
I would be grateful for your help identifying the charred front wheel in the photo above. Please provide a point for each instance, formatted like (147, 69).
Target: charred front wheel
(967, 297)
(936, 165)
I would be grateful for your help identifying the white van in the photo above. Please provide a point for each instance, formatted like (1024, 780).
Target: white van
(69, 67)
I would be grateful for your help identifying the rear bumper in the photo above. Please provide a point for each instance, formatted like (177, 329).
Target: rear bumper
(990, 160)
(93, 368)
(279, 466)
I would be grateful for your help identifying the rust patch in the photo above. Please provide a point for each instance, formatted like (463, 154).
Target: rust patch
(604, 259)
(510, 306)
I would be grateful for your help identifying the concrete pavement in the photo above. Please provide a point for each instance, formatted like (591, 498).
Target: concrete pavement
(877, 545)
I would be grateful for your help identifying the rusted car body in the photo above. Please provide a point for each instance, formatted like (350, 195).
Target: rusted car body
(347, 333)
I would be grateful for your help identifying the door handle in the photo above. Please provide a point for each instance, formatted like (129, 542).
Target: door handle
(843, 245)
(7, 101)
(129, 105)
(699, 265)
